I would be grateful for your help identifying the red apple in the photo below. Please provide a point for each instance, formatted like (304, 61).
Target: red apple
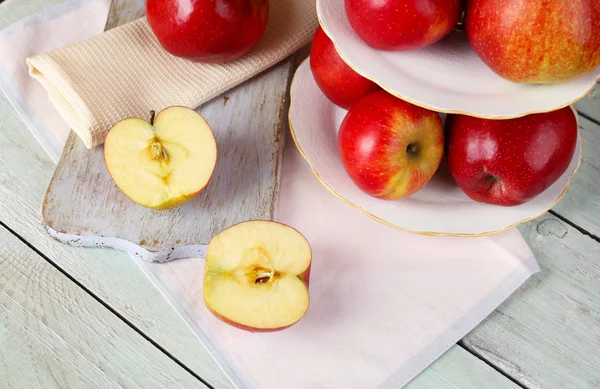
(402, 24)
(209, 31)
(390, 148)
(509, 162)
(536, 41)
(342, 85)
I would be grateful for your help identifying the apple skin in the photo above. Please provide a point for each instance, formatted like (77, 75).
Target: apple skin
(304, 277)
(342, 85)
(509, 162)
(374, 142)
(208, 31)
(536, 41)
(402, 24)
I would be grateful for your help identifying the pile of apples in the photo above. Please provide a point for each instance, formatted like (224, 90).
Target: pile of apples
(391, 148)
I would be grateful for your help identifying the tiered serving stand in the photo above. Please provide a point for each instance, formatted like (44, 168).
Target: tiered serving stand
(447, 77)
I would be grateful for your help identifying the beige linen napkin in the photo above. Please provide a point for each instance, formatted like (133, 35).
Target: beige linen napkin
(125, 72)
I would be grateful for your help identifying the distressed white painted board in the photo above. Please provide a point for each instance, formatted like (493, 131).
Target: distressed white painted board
(590, 104)
(84, 207)
(55, 335)
(458, 369)
(582, 203)
(547, 335)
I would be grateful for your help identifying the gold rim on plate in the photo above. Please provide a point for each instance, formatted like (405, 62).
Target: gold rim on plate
(449, 111)
(428, 233)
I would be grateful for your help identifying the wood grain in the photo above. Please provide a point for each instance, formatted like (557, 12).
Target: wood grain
(54, 335)
(458, 369)
(590, 104)
(581, 205)
(547, 335)
(84, 207)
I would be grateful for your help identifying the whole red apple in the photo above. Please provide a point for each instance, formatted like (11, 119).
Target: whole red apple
(536, 41)
(402, 24)
(390, 148)
(209, 31)
(342, 85)
(509, 162)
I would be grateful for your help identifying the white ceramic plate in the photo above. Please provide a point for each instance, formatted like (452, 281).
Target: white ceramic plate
(440, 208)
(447, 76)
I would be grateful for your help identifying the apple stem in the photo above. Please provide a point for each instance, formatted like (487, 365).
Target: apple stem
(152, 114)
(460, 25)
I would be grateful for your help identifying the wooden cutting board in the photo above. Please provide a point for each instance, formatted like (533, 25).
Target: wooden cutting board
(84, 207)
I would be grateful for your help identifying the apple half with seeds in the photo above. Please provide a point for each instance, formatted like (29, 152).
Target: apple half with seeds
(256, 276)
(162, 163)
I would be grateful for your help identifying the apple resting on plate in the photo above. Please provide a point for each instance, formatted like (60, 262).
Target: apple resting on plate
(162, 163)
(509, 162)
(256, 276)
(338, 82)
(536, 41)
(390, 148)
(402, 24)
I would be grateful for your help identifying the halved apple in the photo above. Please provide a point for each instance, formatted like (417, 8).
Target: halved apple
(256, 276)
(162, 163)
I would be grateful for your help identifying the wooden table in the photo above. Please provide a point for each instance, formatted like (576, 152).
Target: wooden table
(85, 318)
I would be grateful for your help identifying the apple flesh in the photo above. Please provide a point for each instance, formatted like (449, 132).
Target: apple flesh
(402, 24)
(338, 82)
(509, 162)
(208, 31)
(256, 276)
(162, 163)
(390, 148)
(536, 41)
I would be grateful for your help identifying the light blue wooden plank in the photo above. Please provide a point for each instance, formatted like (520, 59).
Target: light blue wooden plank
(53, 334)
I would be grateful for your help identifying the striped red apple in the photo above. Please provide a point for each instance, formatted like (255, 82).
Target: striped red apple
(390, 148)
(536, 41)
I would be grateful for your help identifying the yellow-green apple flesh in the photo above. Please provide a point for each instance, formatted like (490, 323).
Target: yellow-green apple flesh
(256, 276)
(402, 24)
(162, 163)
(389, 147)
(509, 162)
(536, 41)
(338, 82)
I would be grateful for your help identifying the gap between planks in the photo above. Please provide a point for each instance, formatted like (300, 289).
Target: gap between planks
(497, 369)
(105, 305)
(575, 226)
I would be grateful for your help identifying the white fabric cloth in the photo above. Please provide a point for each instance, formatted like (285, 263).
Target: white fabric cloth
(384, 303)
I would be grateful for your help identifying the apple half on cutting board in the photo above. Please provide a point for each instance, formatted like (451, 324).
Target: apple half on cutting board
(256, 276)
(162, 163)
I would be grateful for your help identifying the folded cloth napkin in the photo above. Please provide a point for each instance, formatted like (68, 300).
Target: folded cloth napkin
(125, 72)
(384, 303)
